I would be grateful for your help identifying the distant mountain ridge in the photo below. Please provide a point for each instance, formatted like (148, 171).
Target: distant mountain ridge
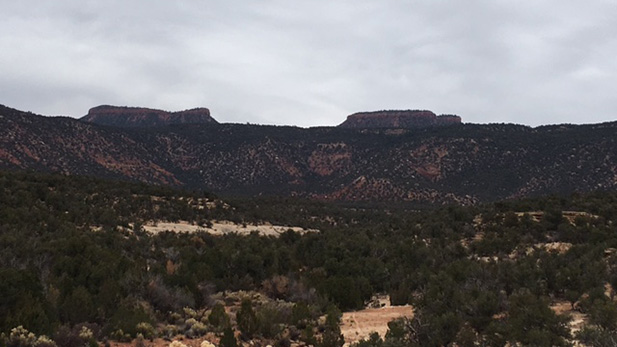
(134, 117)
(408, 119)
(462, 163)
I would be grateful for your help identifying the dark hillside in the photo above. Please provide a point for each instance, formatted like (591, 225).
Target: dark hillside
(462, 163)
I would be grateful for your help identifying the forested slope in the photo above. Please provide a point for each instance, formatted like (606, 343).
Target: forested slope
(72, 253)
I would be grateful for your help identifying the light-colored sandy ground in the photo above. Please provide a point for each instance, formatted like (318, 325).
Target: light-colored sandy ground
(222, 228)
(360, 324)
(578, 319)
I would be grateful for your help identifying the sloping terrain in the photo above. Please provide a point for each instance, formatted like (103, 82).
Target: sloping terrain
(79, 266)
(465, 163)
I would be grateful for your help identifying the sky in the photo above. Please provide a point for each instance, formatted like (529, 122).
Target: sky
(313, 62)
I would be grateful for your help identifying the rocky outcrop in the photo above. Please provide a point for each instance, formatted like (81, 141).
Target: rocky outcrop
(136, 117)
(410, 119)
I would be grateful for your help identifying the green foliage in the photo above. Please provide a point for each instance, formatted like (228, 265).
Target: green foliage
(591, 336)
(396, 330)
(333, 317)
(308, 336)
(273, 317)
(300, 315)
(469, 281)
(228, 339)
(218, 317)
(604, 314)
(332, 337)
(77, 336)
(21, 337)
(146, 330)
(429, 330)
(531, 321)
(247, 320)
(347, 292)
(77, 307)
(374, 340)
(467, 337)
(128, 318)
(22, 302)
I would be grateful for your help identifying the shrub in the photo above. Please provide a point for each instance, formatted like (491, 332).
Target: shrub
(44, 341)
(175, 318)
(20, 337)
(218, 317)
(121, 336)
(167, 298)
(604, 314)
(197, 329)
(308, 336)
(146, 329)
(300, 315)
(272, 317)
(189, 312)
(276, 287)
(190, 322)
(597, 337)
(127, 317)
(228, 339)
(85, 333)
(374, 340)
(169, 331)
(65, 337)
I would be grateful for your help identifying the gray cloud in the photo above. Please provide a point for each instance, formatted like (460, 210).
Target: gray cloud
(312, 63)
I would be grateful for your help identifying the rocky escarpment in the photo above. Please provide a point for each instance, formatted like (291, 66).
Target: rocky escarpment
(409, 119)
(135, 117)
(461, 164)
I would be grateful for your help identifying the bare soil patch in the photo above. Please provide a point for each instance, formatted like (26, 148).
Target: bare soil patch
(360, 324)
(222, 228)
(578, 319)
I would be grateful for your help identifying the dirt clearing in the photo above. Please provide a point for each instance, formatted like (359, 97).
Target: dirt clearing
(222, 228)
(360, 324)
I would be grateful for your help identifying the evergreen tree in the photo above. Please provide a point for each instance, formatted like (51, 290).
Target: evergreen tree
(218, 317)
(228, 339)
(247, 321)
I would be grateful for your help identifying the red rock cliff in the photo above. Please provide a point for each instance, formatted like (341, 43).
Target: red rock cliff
(398, 119)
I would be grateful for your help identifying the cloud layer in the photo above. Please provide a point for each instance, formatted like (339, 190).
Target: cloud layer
(311, 63)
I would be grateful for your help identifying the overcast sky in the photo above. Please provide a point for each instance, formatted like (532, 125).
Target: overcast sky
(313, 62)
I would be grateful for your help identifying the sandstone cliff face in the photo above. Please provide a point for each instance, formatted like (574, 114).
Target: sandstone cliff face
(398, 119)
(135, 117)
